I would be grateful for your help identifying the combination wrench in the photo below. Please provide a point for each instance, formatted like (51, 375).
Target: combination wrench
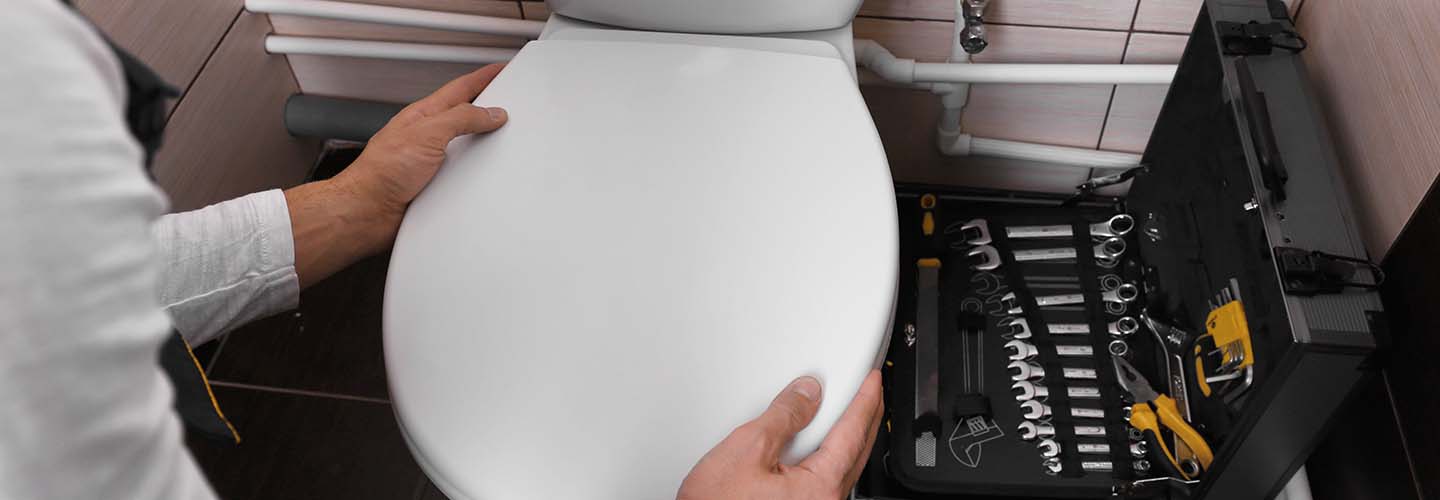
(1119, 225)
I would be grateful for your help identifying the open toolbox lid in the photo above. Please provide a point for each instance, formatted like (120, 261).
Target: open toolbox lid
(1241, 183)
(1238, 196)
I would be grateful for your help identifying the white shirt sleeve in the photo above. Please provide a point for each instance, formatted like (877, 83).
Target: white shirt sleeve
(85, 411)
(227, 264)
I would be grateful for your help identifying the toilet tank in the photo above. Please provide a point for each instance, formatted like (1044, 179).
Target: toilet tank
(727, 17)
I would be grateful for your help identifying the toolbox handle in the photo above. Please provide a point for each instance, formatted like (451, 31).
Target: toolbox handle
(1267, 150)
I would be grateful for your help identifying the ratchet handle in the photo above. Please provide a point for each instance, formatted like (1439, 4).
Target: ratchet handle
(1170, 418)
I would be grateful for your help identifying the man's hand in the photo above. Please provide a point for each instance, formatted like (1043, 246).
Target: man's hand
(357, 213)
(746, 465)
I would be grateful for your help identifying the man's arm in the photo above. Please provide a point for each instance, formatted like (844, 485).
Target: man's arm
(244, 259)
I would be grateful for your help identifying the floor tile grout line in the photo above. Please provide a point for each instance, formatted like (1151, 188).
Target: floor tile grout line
(298, 392)
(215, 356)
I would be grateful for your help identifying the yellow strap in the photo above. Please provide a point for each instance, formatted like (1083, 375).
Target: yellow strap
(206, 380)
(1170, 418)
(927, 225)
(930, 262)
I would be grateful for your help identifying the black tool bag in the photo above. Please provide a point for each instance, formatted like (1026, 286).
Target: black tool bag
(1238, 200)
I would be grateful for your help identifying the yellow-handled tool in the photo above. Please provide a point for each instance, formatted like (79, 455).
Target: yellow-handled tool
(1152, 412)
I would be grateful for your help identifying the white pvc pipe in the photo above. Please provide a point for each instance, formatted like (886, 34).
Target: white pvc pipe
(277, 44)
(965, 144)
(400, 16)
(1156, 74)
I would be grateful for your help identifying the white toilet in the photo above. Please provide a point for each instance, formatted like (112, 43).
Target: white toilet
(671, 227)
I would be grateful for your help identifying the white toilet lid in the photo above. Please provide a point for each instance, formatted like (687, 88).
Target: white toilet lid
(584, 302)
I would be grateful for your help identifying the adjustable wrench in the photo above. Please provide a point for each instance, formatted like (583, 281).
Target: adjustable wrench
(1119, 225)
(1109, 249)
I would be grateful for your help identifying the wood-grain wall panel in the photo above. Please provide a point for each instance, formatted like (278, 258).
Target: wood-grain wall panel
(1167, 16)
(1091, 14)
(906, 122)
(172, 36)
(534, 10)
(1067, 115)
(373, 79)
(1375, 74)
(227, 138)
(1134, 108)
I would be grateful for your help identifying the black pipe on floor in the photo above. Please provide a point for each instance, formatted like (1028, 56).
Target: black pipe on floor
(336, 118)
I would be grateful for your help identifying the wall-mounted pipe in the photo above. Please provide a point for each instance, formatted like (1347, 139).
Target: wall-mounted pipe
(278, 44)
(400, 16)
(875, 57)
(337, 118)
(1141, 74)
(965, 144)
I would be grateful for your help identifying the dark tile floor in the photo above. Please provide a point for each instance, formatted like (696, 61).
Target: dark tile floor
(306, 390)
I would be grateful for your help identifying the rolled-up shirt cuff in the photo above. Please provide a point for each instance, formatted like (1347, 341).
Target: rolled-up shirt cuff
(227, 264)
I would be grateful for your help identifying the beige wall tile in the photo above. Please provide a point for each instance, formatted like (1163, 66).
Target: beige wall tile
(1066, 115)
(1030, 44)
(1135, 107)
(906, 121)
(920, 40)
(1167, 16)
(226, 138)
(1379, 99)
(1094, 14)
(172, 36)
(373, 79)
(535, 10)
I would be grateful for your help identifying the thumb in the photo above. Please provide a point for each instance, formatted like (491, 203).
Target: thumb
(790, 412)
(464, 118)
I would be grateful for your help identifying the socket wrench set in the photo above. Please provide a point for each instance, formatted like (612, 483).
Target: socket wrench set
(1189, 339)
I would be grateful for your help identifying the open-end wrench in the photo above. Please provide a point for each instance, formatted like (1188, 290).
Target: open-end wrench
(1119, 225)
(1122, 295)
(973, 232)
(1035, 410)
(1029, 431)
(1014, 328)
(1048, 448)
(1089, 430)
(983, 258)
(1110, 248)
(1004, 305)
(1021, 350)
(1053, 466)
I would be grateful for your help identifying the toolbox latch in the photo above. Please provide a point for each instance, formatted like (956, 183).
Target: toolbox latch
(1309, 272)
(1255, 38)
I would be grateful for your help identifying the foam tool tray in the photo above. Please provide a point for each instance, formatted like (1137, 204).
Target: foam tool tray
(955, 418)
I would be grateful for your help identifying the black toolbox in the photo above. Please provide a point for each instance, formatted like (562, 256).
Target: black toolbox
(1238, 222)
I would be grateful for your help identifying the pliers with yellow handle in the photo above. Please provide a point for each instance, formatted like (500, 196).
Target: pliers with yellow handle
(1152, 412)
